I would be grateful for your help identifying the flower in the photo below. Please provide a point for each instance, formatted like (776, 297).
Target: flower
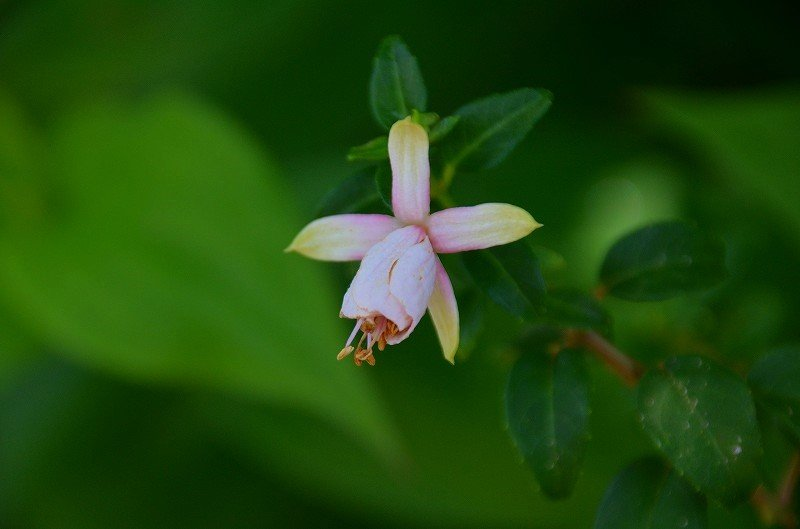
(400, 274)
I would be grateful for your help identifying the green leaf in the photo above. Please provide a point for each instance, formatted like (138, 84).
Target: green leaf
(396, 86)
(353, 194)
(471, 308)
(547, 407)
(572, 308)
(164, 264)
(663, 260)
(488, 129)
(510, 275)
(375, 150)
(702, 417)
(383, 184)
(775, 380)
(444, 127)
(647, 495)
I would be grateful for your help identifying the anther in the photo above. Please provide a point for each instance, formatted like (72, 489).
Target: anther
(344, 352)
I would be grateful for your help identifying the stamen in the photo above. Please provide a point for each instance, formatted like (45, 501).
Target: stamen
(344, 352)
(355, 331)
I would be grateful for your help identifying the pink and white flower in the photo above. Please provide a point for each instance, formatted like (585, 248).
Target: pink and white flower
(400, 275)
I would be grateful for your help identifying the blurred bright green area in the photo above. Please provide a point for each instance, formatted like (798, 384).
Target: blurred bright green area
(164, 364)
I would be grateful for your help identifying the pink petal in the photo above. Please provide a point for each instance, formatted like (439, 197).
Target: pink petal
(342, 237)
(411, 283)
(369, 293)
(473, 228)
(408, 154)
(444, 313)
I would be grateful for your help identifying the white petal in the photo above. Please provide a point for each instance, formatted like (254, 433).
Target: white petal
(342, 237)
(476, 227)
(444, 313)
(412, 282)
(411, 188)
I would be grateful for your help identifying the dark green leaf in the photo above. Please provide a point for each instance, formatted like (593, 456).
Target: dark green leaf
(490, 128)
(471, 308)
(383, 184)
(510, 275)
(647, 495)
(572, 308)
(396, 86)
(547, 407)
(661, 261)
(702, 417)
(374, 150)
(351, 195)
(775, 380)
(443, 128)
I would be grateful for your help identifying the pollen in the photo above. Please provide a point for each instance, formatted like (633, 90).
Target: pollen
(375, 331)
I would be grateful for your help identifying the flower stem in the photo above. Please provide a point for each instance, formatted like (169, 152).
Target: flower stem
(628, 369)
(776, 510)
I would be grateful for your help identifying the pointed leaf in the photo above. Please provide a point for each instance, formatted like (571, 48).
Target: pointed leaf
(647, 495)
(661, 261)
(775, 380)
(547, 407)
(703, 419)
(444, 127)
(375, 150)
(352, 195)
(510, 275)
(396, 86)
(488, 129)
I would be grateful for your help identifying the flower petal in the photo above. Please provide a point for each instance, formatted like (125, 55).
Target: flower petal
(411, 282)
(408, 154)
(473, 228)
(342, 237)
(369, 293)
(444, 313)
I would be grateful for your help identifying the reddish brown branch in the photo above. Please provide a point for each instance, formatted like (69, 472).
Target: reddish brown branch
(628, 369)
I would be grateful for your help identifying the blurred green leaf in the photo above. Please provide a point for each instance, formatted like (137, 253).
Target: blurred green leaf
(375, 150)
(702, 417)
(510, 275)
(396, 86)
(163, 263)
(775, 380)
(751, 136)
(488, 129)
(352, 195)
(547, 408)
(472, 312)
(661, 261)
(443, 128)
(647, 495)
(383, 183)
(572, 308)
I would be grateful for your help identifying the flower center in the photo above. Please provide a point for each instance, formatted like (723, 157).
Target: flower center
(376, 330)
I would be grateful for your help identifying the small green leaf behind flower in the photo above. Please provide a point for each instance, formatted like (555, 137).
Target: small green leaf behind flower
(648, 495)
(775, 380)
(547, 407)
(375, 150)
(442, 128)
(510, 276)
(488, 129)
(396, 87)
(703, 419)
(661, 261)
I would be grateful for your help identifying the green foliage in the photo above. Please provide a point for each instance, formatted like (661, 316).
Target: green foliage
(547, 407)
(648, 495)
(662, 260)
(511, 277)
(703, 419)
(396, 86)
(375, 150)
(573, 308)
(159, 266)
(442, 128)
(353, 194)
(489, 129)
(775, 380)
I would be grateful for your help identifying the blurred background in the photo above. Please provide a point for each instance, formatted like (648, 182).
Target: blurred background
(164, 364)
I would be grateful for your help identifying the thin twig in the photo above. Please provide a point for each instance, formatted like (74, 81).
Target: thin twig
(628, 369)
